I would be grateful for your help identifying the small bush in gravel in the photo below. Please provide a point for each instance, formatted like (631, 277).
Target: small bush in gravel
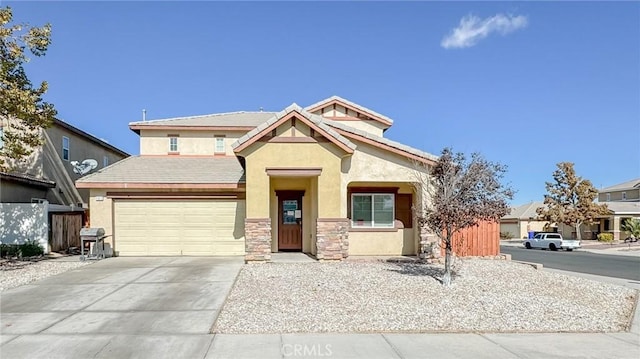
(605, 237)
(30, 248)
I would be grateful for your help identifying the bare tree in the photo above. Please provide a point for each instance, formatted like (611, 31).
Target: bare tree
(570, 199)
(460, 194)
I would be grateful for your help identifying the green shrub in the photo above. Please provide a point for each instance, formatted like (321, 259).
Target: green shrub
(28, 249)
(605, 237)
(31, 249)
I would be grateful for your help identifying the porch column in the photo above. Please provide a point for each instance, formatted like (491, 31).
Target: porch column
(616, 228)
(332, 238)
(257, 239)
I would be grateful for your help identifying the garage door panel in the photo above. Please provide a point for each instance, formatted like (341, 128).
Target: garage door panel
(179, 227)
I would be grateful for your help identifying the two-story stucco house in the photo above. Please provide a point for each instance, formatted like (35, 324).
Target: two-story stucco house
(623, 201)
(321, 180)
(48, 173)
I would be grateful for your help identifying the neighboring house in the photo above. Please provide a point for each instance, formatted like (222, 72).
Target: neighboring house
(48, 173)
(623, 192)
(623, 201)
(39, 200)
(523, 219)
(321, 180)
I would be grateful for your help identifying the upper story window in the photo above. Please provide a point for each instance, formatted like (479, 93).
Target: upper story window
(105, 161)
(173, 144)
(65, 148)
(1, 138)
(608, 197)
(624, 195)
(219, 144)
(372, 210)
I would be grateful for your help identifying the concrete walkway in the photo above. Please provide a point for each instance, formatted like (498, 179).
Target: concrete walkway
(164, 308)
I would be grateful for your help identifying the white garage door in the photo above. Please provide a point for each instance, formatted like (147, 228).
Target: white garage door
(179, 227)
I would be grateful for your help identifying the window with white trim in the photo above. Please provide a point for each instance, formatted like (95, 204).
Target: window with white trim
(1, 137)
(219, 145)
(65, 148)
(372, 210)
(624, 195)
(608, 197)
(173, 144)
(105, 161)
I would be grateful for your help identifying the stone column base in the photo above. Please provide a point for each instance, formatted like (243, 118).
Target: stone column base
(332, 239)
(429, 247)
(257, 234)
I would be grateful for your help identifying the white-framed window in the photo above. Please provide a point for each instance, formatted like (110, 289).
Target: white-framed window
(65, 148)
(105, 161)
(608, 197)
(219, 145)
(1, 137)
(624, 195)
(173, 144)
(372, 210)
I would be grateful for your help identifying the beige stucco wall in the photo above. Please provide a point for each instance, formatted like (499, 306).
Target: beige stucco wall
(632, 195)
(401, 241)
(156, 142)
(100, 212)
(262, 155)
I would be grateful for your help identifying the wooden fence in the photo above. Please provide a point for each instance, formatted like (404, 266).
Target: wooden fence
(480, 240)
(65, 231)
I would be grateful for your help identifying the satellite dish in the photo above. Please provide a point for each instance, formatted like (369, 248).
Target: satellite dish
(84, 167)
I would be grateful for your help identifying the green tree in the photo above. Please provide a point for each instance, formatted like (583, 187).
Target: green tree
(21, 104)
(460, 194)
(570, 199)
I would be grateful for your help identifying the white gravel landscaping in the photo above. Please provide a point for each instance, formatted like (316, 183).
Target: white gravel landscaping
(14, 274)
(486, 296)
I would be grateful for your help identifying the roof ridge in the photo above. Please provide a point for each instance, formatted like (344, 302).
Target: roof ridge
(350, 103)
(195, 116)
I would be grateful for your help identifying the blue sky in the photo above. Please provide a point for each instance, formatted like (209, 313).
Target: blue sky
(526, 84)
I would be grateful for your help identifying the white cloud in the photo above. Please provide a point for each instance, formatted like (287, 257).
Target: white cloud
(473, 29)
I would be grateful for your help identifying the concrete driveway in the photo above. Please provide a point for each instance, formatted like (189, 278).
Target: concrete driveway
(119, 307)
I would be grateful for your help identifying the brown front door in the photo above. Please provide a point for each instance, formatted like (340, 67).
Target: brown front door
(290, 220)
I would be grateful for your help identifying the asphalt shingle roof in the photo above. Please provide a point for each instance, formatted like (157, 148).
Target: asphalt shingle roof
(388, 142)
(147, 169)
(634, 183)
(315, 119)
(228, 119)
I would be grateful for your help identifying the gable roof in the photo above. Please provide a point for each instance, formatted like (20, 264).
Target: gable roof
(314, 121)
(351, 105)
(146, 171)
(524, 211)
(88, 136)
(241, 120)
(381, 142)
(634, 183)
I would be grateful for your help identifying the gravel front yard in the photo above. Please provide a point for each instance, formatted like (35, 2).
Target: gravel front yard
(487, 295)
(14, 274)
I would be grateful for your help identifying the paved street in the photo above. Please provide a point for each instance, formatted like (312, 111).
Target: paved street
(627, 267)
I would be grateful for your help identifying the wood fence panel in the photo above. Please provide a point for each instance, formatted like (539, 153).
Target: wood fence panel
(65, 231)
(480, 240)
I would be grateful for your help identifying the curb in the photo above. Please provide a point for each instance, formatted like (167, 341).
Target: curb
(537, 266)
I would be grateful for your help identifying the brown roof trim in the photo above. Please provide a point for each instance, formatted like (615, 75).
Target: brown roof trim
(92, 138)
(352, 108)
(287, 117)
(17, 177)
(137, 128)
(293, 172)
(385, 147)
(141, 185)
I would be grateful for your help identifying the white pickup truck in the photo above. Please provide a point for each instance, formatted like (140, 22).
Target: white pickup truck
(552, 241)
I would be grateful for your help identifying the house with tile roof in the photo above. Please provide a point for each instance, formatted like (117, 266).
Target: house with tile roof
(322, 180)
(524, 219)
